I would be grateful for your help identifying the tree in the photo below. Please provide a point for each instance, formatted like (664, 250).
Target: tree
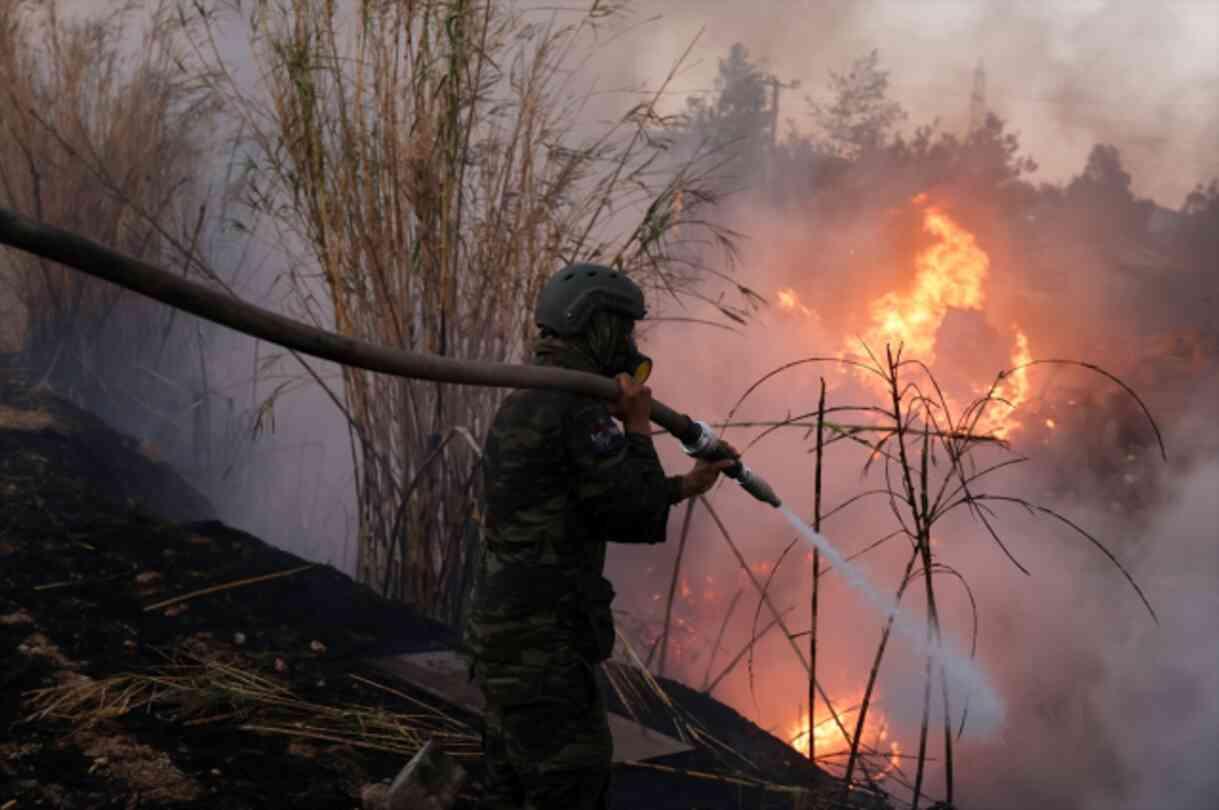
(1103, 176)
(1102, 195)
(861, 116)
(990, 156)
(1203, 201)
(740, 119)
(1199, 243)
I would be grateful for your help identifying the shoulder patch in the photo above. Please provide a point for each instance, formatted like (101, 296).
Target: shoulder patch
(607, 438)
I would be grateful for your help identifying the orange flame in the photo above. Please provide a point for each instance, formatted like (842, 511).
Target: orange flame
(831, 748)
(790, 302)
(951, 274)
(1014, 389)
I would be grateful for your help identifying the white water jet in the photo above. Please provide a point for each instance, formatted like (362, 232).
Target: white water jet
(986, 709)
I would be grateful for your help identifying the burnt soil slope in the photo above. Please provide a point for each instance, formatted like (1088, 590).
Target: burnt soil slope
(93, 533)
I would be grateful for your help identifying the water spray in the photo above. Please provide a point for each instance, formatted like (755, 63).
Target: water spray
(696, 437)
(961, 672)
(986, 707)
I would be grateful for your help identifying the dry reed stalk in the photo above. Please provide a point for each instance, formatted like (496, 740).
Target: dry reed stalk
(719, 637)
(267, 706)
(914, 415)
(774, 611)
(110, 137)
(681, 549)
(770, 578)
(241, 583)
(812, 633)
(873, 674)
(73, 97)
(916, 502)
(736, 659)
(688, 729)
(423, 156)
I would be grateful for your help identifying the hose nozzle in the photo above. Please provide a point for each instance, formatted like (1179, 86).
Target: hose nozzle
(707, 446)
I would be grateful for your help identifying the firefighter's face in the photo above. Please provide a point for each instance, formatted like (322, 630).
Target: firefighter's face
(612, 340)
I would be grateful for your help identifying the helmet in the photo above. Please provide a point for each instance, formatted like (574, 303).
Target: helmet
(571, 296)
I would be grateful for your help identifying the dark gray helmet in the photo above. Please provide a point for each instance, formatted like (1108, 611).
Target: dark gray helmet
(571, 296)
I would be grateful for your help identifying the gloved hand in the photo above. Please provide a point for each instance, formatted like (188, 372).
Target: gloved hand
(702, 476)
(634, 405)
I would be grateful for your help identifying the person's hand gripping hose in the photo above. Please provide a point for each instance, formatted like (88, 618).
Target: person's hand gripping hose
(634, 407)
(711, 448)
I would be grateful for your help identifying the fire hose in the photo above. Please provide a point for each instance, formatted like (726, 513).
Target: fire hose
(69, 249)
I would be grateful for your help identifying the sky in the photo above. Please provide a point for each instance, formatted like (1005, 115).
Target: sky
(1065, 74)
(1143, 76)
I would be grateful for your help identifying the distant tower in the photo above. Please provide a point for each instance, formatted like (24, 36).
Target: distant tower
(977, 100)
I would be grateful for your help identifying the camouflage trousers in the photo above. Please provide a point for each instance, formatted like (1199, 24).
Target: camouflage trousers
(546, 736)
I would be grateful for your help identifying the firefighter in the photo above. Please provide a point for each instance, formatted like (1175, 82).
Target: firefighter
(561, 480)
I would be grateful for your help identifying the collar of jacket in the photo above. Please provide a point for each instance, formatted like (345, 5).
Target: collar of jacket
(553, 351)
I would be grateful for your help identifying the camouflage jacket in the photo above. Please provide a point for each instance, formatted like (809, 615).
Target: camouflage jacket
(561, 480)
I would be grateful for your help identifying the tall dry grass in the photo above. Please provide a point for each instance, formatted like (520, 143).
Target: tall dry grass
(934, 460)
(107, 138)
(423, 157)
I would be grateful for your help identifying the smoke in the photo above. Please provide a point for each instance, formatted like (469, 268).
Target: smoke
(963, 676)
(1105, 707)
(282, 473)
(1144, 77)
(1110, 709)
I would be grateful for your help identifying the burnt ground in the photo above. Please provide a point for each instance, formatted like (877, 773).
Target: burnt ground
(83, 550)
(93, 532)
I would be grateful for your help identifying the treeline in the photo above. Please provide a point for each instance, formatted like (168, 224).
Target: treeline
(1092, 270)
(866, 156)
(868, 152)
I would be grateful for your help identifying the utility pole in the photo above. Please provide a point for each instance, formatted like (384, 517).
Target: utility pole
(977, 100)
(776, 87)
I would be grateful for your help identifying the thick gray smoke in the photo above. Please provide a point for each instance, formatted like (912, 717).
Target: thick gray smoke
(1109, 709)
(1142, 76)
(1105, 708)
(291, 483)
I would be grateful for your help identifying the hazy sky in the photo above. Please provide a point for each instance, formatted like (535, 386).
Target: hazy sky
(1066, 74)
